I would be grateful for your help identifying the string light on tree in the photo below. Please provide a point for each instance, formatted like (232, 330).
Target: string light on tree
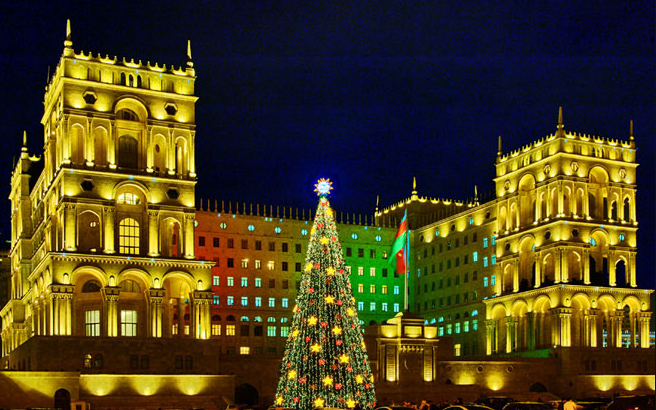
(325, 362)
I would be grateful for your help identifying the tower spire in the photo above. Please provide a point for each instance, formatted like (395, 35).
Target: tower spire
(377, 202)
(499, 149)
(24, 147)
(631, 138)
(68, 42)
(560, 127)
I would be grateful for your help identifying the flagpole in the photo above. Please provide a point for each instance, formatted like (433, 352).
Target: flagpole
(407, 269)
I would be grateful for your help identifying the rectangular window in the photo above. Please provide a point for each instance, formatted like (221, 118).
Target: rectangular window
(92, 322)
(448, 329)
(441, 284)
(244, 263)
(494, 259)
(272, 302)
(360, 287)
(285, 247)
(230, 330)
(485, 282)
(384, 272)
(244, 300)
(465, 326)
(244, 330)
(349, 252)
(258, 245)
(297, 248)
(396, 289)
(465, 297)
(465, 259)
(383, 290)
(230, 300)
(231, 281)
(271, 331)
(372, 306)
(457, 298)
(284, 331)
(231, 243)
(494, 280)
(231, 263)
(457, 327)
(244, 350)
(457, 261)
(396, 308)
(372, 288)
(485, 263)
(474, 295)
(271, 265)
(285, 284)
(457, 279)
(383, 307)
(465, 279)
(464, 240)
(494, 242)
(372, 271)
(258, 264)
(201, 241)
(361, 306)
(258, 301)
(475, 257)
(215, 281)
(285, 266)
(360, 253)
(440, 331)
(372, 253)
(128, 322)
(258, 282)
(272, 283)
(215, 242)
(474, 275)
(448, 300)
(485, 242)
(284, 302)
(297, 267)
(216, 330)
(272, 246)
(215, 299)
(360, 271)
(244, 243)
(128, 234)
(441, 302)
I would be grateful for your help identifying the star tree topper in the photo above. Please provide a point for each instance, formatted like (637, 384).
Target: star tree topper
(323, 187)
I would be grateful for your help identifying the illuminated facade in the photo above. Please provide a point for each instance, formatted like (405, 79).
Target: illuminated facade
(102, 241)
(550, 261)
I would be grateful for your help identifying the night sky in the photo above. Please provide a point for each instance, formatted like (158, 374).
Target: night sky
(368, 95)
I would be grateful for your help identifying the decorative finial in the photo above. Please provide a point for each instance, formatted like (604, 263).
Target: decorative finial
(631, 130)
(560, 117)
(499, 149)
(24, 147)
(323, 187)
(189, 49)
(68, 42)
(475, 191)
(414, 183)
(377, 202)
(68, 29)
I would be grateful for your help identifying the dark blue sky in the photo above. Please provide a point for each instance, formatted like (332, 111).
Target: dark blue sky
(368, 95)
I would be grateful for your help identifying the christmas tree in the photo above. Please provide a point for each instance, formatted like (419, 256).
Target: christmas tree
(325, 363)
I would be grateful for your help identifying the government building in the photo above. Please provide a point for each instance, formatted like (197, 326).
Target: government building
(124, 288)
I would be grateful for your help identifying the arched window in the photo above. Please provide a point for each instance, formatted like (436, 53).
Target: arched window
(244, 319)
(129, 285)
(139, 81)
(128, 235)
(87, 361)
(122, 78)
(131, 80)
(474, 313)
(127, 114)
(627, 210)
(257, 319)
(216, 318)
(271, 319)
(91, 286)
(127, 151)
(230, 318)
(98, 361)
(128, 198)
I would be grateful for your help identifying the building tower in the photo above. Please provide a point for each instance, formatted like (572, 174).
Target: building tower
(103, 223)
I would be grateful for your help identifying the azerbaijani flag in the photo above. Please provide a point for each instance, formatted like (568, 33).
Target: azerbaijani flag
(398, 247)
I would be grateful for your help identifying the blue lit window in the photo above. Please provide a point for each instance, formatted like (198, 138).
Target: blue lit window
(484, 242)
(215, 300)
(494, 242)
(593, 242)
(251, 228)
(494, 280)
(396, 308)
(284, 302)
(458, 327)
(354, 235)
(485, 261)
(360, 305)
(223, 225)
(494, 259)
(372, 306)
(419, 272)
(396, 289)
(378, 238)
(244, 300)
(437, 232)
(485, 282)
(231, 300)
(303, 232)
(277, 229)
(622, 237)
(471, 221)
(475, 257)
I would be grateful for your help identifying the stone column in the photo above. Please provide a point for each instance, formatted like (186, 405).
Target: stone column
(538, 270)
(616, 318)
(153, 232)
(632, 329)
(109, 215)
(586, 266)
(170, 158)
(70, 223)
(515, 268)
(510, 334)
(150, 147)
(564, 266)
(191, 154)
(155, 297)
(490, 337)
(181, 312)
(561, 326)
(632, 270)
(643, 323)
(558, 256)
(561, 211)
(110, 298)
(189, 235)
(612, 280)
(586, 202)
(530, 330)
(591, 331)
(111, 145)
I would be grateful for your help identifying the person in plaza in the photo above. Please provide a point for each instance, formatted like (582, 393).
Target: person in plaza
(571, 405)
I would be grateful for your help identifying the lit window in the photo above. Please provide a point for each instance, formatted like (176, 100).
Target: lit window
(231, 281)
(360, 271)
(360, 305)
(465, 326)
(384, 290)
(244, 282)
(485, 282)
(372, 306)
(272, 302)
(258, 282)
(230, 330)
(271, 331)
(372, 271)
(384, 307)
(494, 242)
(471, 221)
(360, 287)
(622, 237)
(354, 236)
(128, 322)
(378, 238)
(494, 259)
(485, 263)
(215, 300)
(251, 228)
(303, 232)
(215, 281)
(284, 302)
(128, 198)
(92, 322)
(372, 288)
(284, 331)
(475, 257)
(244, 300)
(216, 330)
(244, 263)
(271, 265)
(128, 233)
(458, 327)
(593, 242)
(440, 331)
(494, 280)
(231, 300)
(485, 242)
(244, 350)
(448, 329)
(258, 301)
(474, 324)
(396, 308)
(396, 289)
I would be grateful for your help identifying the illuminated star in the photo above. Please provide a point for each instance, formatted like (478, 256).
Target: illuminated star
(350, 312)
(279, 400)
(350, 403)
(312, 320)
(324, 241)
(308, 267)
(295, 333)
(329, 212)
(343, 359)
(291, 375)
(330, 299)
(319, 402)
(359, 379)
(330, 271)
(327, 381)
(323, 187)
(337, 330)
(315, 348)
